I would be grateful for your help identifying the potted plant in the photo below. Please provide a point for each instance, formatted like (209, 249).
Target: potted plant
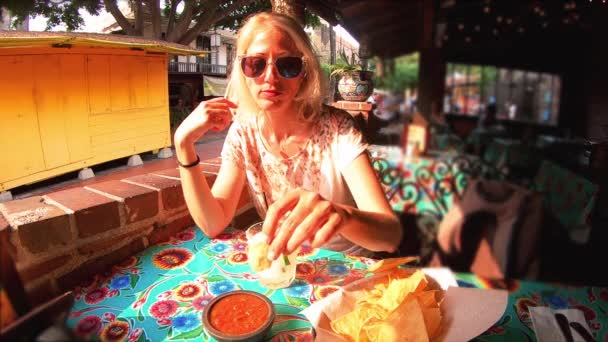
(355, 82)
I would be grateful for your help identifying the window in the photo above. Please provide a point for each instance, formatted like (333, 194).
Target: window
(517, 94)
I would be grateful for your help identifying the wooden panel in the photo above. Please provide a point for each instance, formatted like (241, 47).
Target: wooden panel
(19, 134)
(158, 86)
(75, 106)
(130, 125)
(110, 119)
(98, 72)
(125, 134)
(120, 90)
(47, 96)
(131, 146)
(138, 75)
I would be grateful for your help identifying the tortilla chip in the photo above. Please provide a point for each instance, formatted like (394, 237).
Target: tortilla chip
(406, 323)
(402, 306)
(258, 256)
(388, 264)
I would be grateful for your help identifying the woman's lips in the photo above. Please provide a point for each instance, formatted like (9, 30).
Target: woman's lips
(270, 93)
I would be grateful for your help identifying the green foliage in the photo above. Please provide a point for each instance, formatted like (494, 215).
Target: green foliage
(67, 12)
(345, 65)
(405, 75)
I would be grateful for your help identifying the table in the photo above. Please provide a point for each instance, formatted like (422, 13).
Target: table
(160, 294)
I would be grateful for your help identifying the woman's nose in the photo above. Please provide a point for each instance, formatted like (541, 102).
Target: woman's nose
(271, 72)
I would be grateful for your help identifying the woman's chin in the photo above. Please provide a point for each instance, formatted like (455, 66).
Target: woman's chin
(270, 106)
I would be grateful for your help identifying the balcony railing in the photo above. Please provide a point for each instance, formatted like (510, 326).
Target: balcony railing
(197, 68)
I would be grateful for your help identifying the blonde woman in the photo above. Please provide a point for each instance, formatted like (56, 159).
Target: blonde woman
(301, 160)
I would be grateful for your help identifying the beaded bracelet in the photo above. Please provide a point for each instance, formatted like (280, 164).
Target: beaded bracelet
(194, 163)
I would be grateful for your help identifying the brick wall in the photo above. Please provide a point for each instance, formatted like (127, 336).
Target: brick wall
(63, 239)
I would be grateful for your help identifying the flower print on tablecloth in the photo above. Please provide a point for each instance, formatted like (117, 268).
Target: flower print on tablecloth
(172, 258)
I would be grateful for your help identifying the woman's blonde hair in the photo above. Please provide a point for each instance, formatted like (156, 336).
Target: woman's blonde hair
(310, 96)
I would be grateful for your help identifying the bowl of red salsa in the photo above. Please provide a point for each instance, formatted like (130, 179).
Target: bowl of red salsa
(239, 316)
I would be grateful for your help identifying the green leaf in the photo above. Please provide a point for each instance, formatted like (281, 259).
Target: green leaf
(189, 334)
(140, 317)
(286, 260)
(134, 280)
(299, 302)
(215, 277)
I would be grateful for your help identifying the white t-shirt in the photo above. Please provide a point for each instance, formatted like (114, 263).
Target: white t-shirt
(335, 142)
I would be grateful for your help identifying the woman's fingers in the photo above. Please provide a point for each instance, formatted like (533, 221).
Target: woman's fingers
(290, 226)
(327, 230)
(276, 211)
(313, 215)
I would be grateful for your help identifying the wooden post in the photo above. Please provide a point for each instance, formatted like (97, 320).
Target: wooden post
(292, 8)
(431, 71)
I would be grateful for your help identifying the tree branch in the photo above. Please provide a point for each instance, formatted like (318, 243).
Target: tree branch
(139, 18)
(155, 17)
(120, 18)
(208, 18)
(172, 13)
(182, 23)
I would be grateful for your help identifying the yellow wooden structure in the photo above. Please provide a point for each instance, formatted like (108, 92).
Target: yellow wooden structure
(69, 100)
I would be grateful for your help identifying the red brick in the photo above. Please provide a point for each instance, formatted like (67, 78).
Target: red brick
(214, 161)
(168, 172)
(36, 271)
(165, 232)
(98, 265)
(39, 225)
(353, 105)
(94, 213)
(210, 168)
(171, 192)
(140, 202)
(107, 243)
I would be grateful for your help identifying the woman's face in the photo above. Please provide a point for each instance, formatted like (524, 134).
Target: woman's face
(271, 91)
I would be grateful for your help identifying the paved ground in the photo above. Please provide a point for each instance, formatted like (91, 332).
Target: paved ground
(208, 147)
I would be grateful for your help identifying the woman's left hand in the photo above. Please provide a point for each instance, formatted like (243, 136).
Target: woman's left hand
(309, 216)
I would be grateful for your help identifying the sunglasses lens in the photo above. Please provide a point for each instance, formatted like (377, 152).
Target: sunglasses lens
(289, 67)
(253, 66)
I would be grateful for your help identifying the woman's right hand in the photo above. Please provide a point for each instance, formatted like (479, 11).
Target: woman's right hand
(212, 115)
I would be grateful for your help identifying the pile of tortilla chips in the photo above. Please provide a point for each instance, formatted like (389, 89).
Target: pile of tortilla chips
(403, 305)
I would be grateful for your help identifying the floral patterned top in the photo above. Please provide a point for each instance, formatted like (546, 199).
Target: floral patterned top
(335, 142)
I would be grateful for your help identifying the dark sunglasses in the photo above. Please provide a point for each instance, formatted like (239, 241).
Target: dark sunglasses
(288, 67)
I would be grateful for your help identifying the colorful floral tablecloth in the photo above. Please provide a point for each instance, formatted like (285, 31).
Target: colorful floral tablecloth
(516, 324)
(160, 294)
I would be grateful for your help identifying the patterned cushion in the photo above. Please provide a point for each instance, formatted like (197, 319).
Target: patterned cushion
(569, 196)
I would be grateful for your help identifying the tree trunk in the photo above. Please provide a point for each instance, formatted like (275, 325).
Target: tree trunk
(332, 45)
(155, 13)
(181, 26)
(139, 18)
(171, 19)
(292, 8)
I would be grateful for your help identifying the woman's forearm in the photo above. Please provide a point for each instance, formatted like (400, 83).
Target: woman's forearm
(371, 230)
(205, 209)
